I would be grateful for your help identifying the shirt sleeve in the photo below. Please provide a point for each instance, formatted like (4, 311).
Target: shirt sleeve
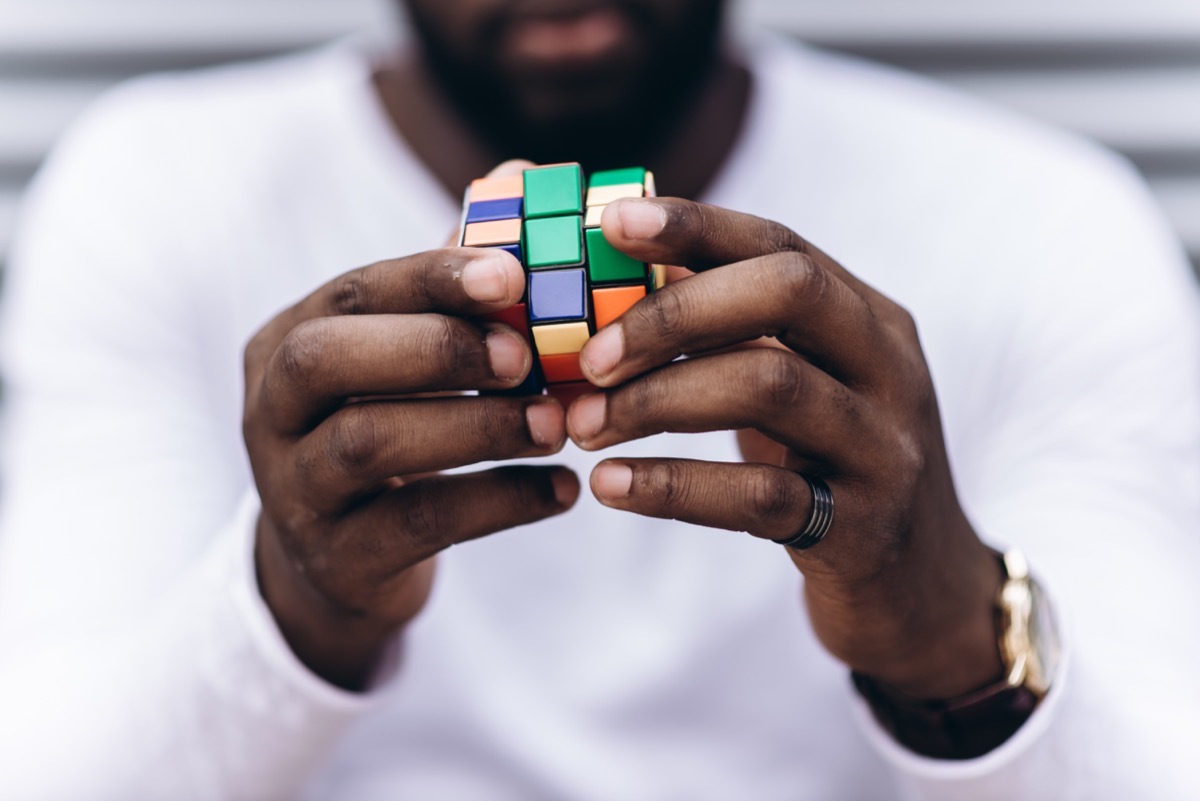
(1088, 458)
(137, 659)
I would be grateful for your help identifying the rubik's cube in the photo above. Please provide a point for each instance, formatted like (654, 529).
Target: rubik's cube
(576, 283)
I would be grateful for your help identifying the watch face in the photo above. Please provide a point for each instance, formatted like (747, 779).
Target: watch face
(1043, 641)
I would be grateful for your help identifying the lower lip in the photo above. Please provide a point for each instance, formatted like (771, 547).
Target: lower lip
(568, 41)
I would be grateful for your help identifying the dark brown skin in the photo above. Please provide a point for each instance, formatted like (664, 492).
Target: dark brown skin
(345, 546)
(901, 588)
(459, 102)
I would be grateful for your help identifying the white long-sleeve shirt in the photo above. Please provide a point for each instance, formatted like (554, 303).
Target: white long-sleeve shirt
(597, 655)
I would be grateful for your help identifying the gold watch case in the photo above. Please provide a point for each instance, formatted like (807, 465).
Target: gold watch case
(1029, 640)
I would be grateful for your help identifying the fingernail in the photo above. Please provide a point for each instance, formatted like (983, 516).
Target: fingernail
(485, 279)
(545, 421)
(611, 481)
(640, 219)
(603, 351)
(566, 488)
(507, 355)
(587, 416)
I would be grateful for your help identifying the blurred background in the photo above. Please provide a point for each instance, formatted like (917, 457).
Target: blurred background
(1125, 72)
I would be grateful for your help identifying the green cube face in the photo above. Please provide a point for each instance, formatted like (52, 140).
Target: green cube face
(607, 264)
(553, 191)
(629, 175)
(553, 242)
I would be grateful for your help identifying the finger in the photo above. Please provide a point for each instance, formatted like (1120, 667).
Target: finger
(700, 237)
(765, 501)
(463, 282)
(782, 295)
(324, 361)
(411, 523)
(358, 448)
(773, 391)
(511, 167)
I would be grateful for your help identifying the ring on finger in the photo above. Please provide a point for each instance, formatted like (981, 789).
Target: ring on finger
(820, 517)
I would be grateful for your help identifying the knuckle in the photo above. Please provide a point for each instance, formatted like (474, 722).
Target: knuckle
(804, 278)
(350, 292)
(924, 397)
(354, 439)
(446, 343)
(779, 380)
(906, 323)
(701, 222)
(894, 325)
(530, 494)
(781, 239)
(422, 283)
(498, 425)
(255, 354)
(772, 500)
(304, 352)
(424, 520)
(910, 456)
(899, 469)
(665, 314)
(668, 481)
(637, 402)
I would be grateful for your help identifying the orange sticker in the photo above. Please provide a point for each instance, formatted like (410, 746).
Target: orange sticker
(611, 302)
(497, 188)
(497, 232)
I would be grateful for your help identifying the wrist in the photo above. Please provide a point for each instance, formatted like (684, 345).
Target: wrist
(975, 722)
(954, 650)
(337, 646)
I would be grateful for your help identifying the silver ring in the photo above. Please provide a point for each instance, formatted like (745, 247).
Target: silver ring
(819, 519)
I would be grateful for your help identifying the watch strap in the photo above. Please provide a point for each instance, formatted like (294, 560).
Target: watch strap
(962, 728)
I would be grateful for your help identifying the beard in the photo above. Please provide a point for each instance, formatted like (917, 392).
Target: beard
(610, 114)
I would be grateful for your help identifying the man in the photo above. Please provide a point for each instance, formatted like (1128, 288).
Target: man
(186, 624)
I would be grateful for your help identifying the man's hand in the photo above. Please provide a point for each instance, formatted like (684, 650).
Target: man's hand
(343, 436)
(901, 588)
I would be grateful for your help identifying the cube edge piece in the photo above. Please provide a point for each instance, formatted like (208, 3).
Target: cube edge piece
(555, 339)
(601, 308)
(623, 175)
(561, 368)
(503, 208)
(601, 256)
(592, 218)
(603, 195)
(491, 233)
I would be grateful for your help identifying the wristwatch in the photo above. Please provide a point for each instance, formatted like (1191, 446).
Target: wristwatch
(973, 724)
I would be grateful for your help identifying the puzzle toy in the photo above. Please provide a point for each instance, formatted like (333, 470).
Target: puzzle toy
(576, 283)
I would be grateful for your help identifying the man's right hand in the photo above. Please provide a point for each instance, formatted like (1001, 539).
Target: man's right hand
(343, 440)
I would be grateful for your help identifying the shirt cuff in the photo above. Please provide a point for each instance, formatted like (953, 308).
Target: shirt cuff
(999, 760)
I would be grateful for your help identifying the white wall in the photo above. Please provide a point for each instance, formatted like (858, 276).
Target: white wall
(1124, 71)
